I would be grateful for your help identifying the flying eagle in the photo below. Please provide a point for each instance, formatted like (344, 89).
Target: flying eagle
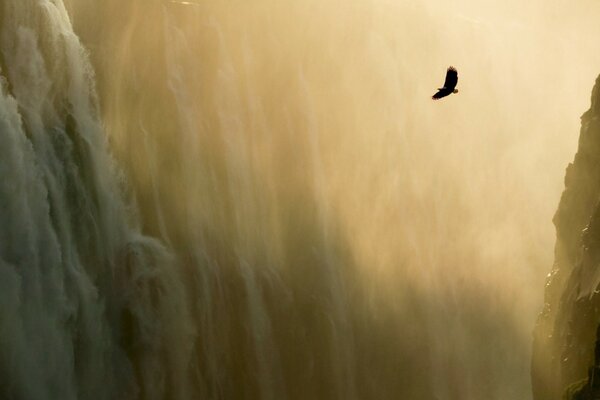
(449, 84)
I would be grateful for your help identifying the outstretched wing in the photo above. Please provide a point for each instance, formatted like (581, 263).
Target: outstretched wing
(451, 78)
(441, 93)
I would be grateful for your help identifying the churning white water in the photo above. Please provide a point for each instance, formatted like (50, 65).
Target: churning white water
(258, 200)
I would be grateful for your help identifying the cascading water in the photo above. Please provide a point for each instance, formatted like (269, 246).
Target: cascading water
(83, 305)
(226, 200)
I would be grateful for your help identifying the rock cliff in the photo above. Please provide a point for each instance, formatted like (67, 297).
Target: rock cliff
(564, 361)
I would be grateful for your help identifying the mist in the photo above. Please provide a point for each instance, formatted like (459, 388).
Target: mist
(285, 212)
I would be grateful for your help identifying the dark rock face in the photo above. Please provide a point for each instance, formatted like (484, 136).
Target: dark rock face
(588, 388)
(566, 354)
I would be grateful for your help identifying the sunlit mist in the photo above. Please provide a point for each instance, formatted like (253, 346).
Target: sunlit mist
(298, 219)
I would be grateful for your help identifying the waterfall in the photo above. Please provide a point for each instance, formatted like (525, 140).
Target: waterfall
(257, 200)
(84, 309)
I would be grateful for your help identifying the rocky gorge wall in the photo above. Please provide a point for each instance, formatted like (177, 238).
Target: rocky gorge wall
(565, 338)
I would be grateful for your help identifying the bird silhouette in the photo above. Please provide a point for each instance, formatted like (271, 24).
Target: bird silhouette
(449, 84)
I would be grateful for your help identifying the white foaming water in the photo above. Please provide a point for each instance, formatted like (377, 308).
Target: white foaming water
(78, 282)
